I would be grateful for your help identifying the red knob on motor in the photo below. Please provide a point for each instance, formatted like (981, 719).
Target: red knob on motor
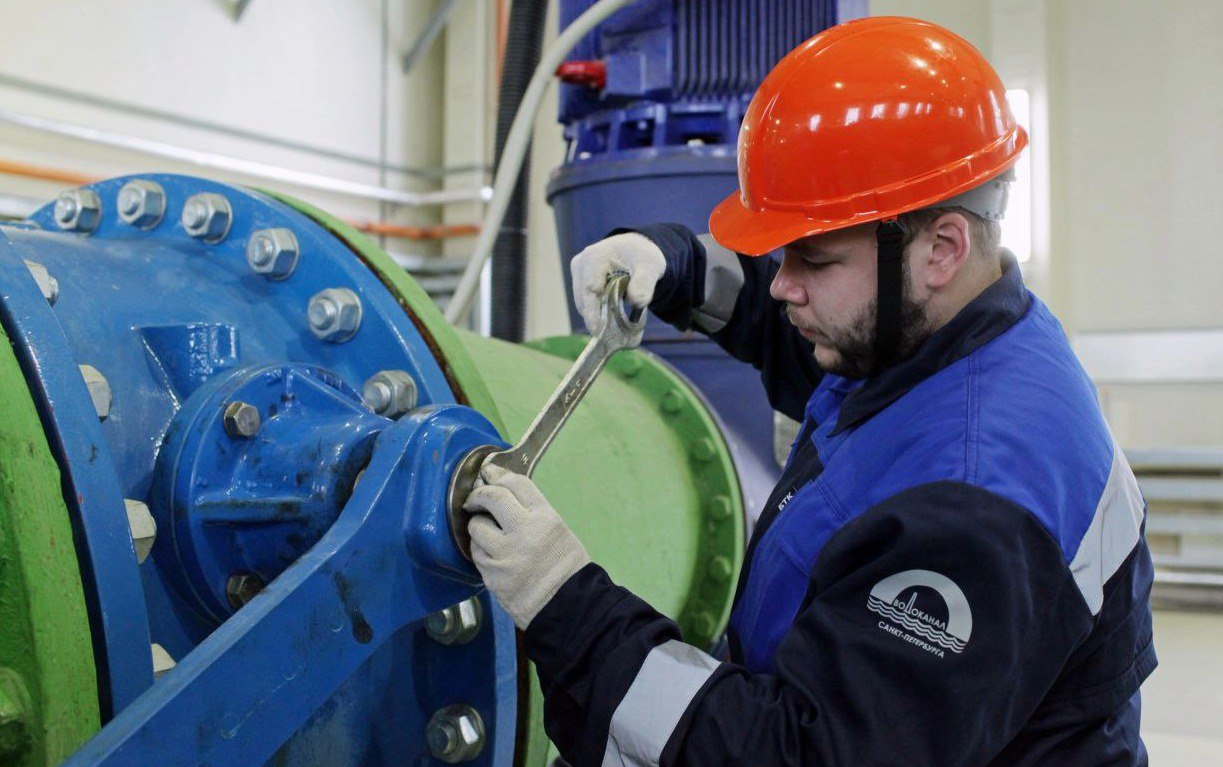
(592, 74)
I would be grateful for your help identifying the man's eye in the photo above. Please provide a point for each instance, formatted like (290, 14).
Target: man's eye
(818, 265)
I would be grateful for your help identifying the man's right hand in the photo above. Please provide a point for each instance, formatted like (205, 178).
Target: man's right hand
(630, 252)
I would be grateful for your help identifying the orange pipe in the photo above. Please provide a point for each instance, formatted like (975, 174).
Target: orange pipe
(13, 168)
(417, 232)
(503, 25)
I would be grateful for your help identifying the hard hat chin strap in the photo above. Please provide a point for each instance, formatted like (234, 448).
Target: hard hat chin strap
(889, 237)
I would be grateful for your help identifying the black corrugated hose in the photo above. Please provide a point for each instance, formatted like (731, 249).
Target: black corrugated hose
(523, 45)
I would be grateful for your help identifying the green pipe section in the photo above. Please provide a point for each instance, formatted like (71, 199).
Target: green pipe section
(48, 683)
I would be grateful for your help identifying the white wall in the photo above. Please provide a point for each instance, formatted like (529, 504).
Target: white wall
(313, 72)
(1134, 121)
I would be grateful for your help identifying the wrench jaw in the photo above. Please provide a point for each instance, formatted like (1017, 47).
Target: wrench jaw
(621, 329)
(462, 482)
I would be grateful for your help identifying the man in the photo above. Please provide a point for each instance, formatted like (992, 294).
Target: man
(951, 570)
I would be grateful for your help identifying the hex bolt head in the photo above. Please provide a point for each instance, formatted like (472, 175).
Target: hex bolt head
(46, 283)
(99, 390)
(273, 253)
(242, 588)
(142, 203)
(78, 210)
(143, 527)
(457, 624)
(241, 420)
(455, 734)
(207, 217)
(162, 660)
(390, 393)
(334, 315)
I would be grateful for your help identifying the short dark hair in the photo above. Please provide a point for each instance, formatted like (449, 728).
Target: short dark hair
(986, 235)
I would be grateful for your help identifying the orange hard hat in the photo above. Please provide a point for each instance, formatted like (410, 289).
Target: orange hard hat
(865, 121)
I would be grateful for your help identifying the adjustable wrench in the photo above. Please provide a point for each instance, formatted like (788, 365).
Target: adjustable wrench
(620, 331)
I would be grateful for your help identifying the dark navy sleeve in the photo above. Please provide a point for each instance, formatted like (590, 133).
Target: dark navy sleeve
(726, 296)
(932, 627)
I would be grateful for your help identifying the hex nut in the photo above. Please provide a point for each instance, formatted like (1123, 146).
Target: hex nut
(334, 314)
(142, 203)
(390, 393)
(455, 734)
(207, 217)
(99, 390)
(78, 210)
(143, 527)
(457, 624)
(273, 253)
(46, 283)
(162, 660)
(241, 420)
(242, 588)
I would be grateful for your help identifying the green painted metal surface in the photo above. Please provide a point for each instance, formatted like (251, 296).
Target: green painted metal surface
(48, 683)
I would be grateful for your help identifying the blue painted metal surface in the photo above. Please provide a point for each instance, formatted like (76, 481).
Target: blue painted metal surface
(657, 143)
(179, 328)
(254, 505)
(383, 566)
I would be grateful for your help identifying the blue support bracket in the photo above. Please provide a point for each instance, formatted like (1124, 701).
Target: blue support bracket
(386, 563)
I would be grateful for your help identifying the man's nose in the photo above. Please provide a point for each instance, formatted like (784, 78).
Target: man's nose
(785, 287)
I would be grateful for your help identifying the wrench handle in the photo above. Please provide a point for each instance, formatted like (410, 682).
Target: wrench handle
(619, 332)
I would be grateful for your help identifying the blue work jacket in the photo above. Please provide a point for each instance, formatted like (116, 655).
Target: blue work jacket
(951, 570)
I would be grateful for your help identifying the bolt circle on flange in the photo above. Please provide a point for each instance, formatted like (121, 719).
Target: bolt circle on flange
(455, 734)
(334, 315)
(242, 588)
(142, 203)
(241, 420)
(457, 624)
(78, 210)
(207, 217)
(273, 253)
(390, 393)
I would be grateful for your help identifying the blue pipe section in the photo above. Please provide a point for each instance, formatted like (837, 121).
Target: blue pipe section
(330, 663)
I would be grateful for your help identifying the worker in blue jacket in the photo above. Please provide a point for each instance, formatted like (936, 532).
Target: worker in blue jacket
(952, 569)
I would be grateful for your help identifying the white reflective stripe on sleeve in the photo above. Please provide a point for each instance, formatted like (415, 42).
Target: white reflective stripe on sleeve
(646, 717)
(723, 280)
(1112, 534)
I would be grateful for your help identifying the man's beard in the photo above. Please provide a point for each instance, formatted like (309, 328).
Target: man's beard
(855, 342)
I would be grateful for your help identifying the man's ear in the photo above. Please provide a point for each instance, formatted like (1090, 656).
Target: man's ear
(950, 248)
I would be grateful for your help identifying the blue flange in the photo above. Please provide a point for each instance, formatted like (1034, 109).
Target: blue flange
(181, 326)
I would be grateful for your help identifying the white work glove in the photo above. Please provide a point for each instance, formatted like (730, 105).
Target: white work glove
(521, 546)
(630, 252)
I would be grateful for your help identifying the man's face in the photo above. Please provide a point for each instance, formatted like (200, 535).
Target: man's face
(829, 283)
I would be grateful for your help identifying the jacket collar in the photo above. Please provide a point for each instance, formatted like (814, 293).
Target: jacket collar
(986, 317)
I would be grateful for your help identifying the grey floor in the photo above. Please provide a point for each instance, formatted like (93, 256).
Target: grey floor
(1182, 717)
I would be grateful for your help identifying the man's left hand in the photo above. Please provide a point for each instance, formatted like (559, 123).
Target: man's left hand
(521, 546)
